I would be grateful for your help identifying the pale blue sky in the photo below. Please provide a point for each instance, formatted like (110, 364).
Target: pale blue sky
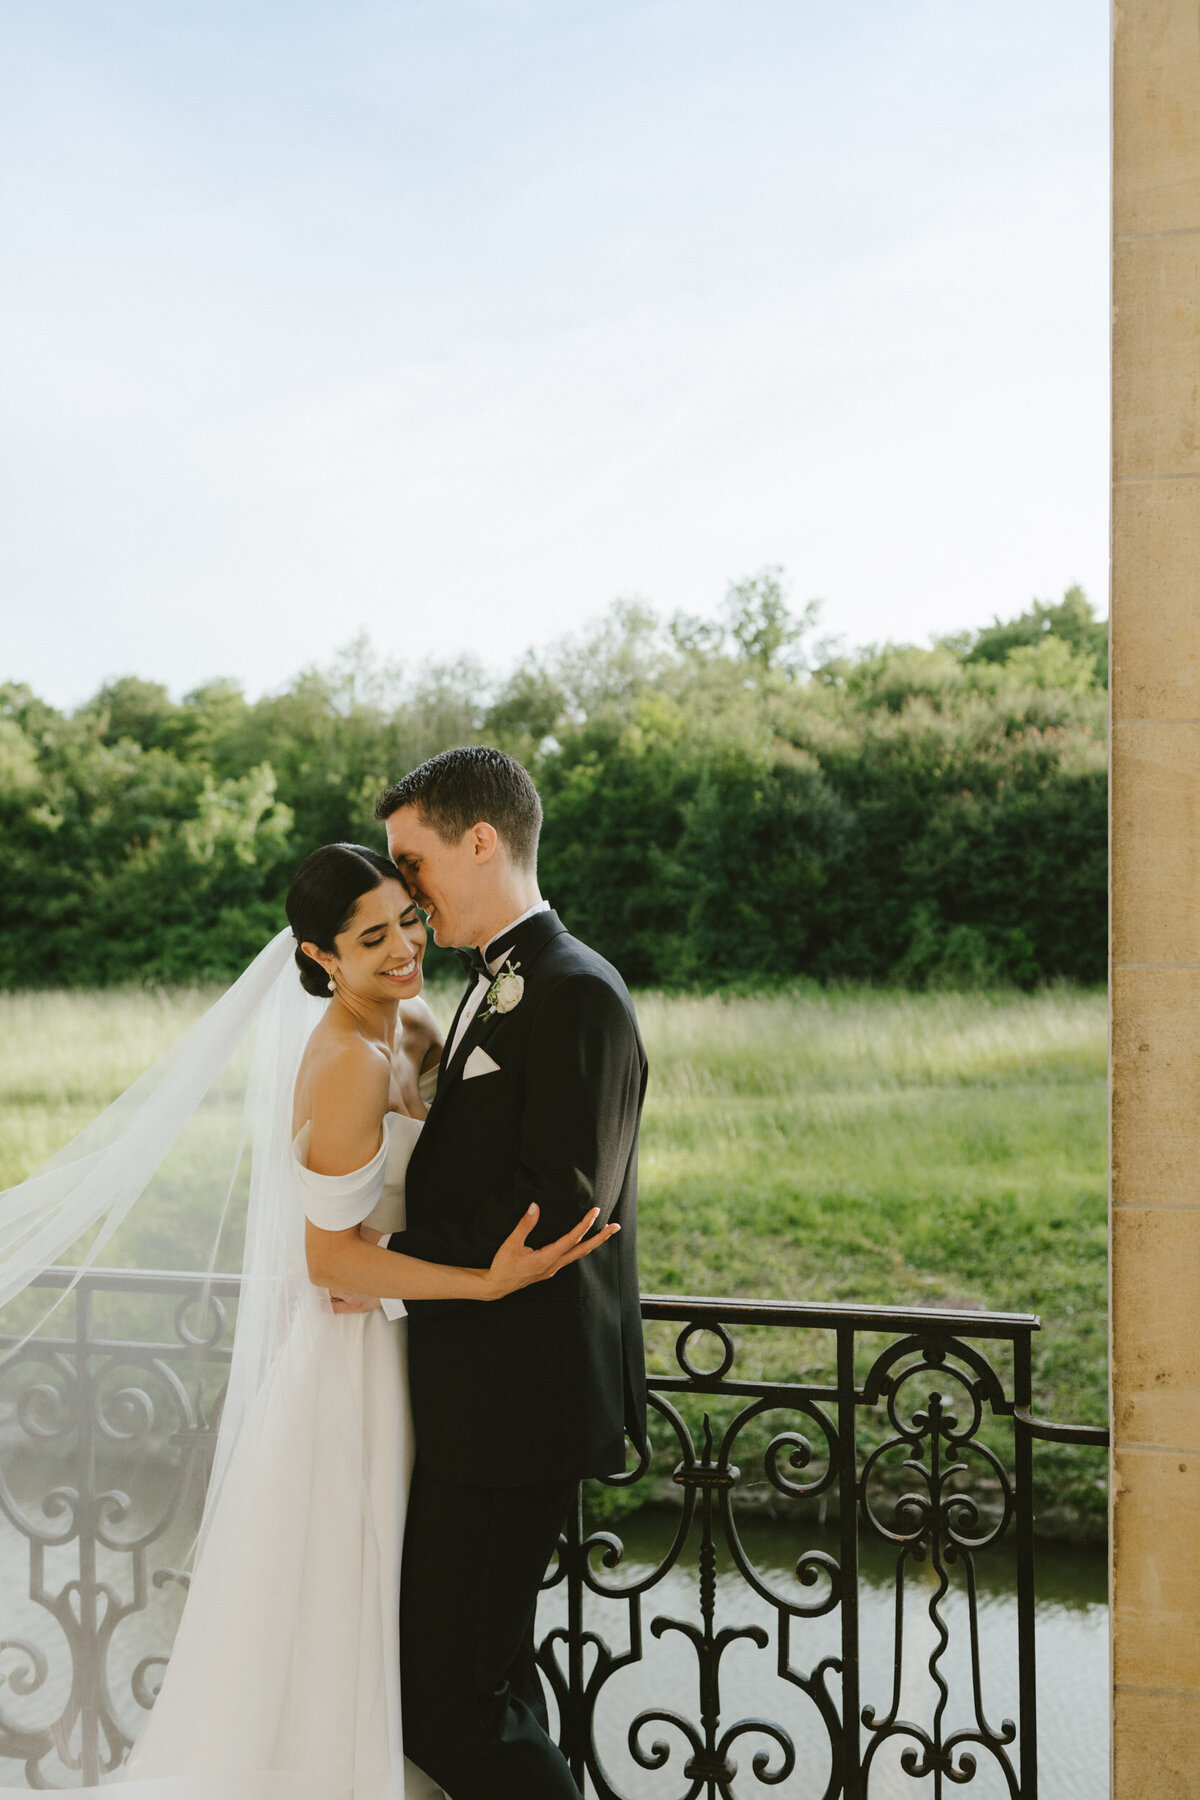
(455, 320)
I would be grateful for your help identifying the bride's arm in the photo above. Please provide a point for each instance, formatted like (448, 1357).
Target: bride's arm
(349, 1103)
(345, 1261)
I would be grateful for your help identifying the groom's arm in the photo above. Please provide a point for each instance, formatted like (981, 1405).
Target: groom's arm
(583, 1087)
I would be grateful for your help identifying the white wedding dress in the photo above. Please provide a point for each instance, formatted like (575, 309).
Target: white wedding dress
(284, 1681)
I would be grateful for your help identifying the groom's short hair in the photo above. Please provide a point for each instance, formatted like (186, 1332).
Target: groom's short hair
(468, 786)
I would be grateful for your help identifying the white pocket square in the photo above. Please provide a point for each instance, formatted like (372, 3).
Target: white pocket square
(479, 1063)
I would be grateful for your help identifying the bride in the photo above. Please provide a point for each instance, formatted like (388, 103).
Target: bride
(283, 1682)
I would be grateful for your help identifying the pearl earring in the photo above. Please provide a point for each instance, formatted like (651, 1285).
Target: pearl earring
(332, 989)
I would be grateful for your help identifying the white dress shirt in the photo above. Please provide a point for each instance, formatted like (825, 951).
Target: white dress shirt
(495, 964)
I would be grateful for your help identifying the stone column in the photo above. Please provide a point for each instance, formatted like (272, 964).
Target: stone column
(1156, 901)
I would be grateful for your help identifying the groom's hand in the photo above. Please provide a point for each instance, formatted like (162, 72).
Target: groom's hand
(515, 1265)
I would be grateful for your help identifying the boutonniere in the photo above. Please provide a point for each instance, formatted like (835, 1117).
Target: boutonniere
(505, 992)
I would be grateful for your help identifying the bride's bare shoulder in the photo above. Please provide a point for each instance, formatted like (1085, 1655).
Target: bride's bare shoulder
(341, 1070)
(343, 1054)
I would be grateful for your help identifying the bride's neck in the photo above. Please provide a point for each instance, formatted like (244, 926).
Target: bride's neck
(375, 1019)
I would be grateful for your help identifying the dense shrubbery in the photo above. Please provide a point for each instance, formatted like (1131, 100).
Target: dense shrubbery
(724, 802)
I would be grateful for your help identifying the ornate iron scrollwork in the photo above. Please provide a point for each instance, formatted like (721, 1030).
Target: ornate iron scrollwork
(80, 1403)
(938, 1523)
(957, 1498)
(930, 1488)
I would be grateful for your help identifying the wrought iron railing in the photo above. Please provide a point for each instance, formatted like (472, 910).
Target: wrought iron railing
(911, 1437)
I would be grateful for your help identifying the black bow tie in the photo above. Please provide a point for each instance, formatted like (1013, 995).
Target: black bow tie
(473, 962)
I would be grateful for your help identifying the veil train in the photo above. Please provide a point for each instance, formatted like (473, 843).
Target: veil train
(276, 1682)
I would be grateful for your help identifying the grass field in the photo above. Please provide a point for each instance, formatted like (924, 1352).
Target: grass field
(855, 1145)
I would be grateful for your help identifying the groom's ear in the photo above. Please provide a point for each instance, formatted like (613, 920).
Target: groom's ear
(484, 842)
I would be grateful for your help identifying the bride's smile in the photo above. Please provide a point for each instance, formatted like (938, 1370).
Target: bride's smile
(376, 958)
(405, 972)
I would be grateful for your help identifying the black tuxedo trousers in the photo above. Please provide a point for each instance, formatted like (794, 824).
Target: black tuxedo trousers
(474, 1711)
(515, 1400)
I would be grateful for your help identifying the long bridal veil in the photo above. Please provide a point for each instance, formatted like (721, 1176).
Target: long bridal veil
(126, 1392)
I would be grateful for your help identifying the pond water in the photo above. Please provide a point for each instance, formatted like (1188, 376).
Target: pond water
(1072, 1652)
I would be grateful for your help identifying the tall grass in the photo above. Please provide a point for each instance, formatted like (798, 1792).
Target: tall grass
(934, 1149)
(64, 1056)
(944, 1149)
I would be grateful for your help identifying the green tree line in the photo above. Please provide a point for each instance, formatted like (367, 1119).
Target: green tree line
(726, 801)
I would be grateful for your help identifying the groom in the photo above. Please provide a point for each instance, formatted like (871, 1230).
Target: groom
(538, 1102)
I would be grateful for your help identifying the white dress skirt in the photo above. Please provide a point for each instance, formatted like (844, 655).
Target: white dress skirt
(284, 1680)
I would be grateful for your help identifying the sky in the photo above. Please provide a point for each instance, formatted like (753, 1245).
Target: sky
(453, 320)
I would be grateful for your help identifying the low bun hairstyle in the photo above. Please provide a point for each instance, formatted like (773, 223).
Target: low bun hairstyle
(321, 900)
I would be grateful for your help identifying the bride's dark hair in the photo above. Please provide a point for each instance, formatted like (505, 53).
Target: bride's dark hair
(321, 900)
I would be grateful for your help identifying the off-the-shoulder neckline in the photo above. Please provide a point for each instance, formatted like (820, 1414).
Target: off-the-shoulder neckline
(392, 1113)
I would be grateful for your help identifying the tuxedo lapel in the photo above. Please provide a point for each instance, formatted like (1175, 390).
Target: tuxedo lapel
(444, 1066)
(470, 989)
(522, 945)
(476, 1033)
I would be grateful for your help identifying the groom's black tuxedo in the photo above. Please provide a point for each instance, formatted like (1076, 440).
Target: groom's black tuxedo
(540, 1386)
(513, 1400)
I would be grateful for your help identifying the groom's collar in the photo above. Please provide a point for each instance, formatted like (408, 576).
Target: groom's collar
(525, 936)
(496, 950)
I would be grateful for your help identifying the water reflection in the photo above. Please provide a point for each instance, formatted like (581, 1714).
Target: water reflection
(1072, 1634)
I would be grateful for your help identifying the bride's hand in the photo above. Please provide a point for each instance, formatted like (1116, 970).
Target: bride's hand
(515, 1265)
(352, 1303)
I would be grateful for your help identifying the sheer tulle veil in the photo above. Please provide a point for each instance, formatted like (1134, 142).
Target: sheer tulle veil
(116, 1183)
(190, 1169)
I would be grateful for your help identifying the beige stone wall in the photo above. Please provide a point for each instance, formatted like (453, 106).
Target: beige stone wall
(1156, 901)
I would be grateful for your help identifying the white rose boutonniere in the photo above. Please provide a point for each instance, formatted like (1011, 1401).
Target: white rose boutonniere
(506, 991)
